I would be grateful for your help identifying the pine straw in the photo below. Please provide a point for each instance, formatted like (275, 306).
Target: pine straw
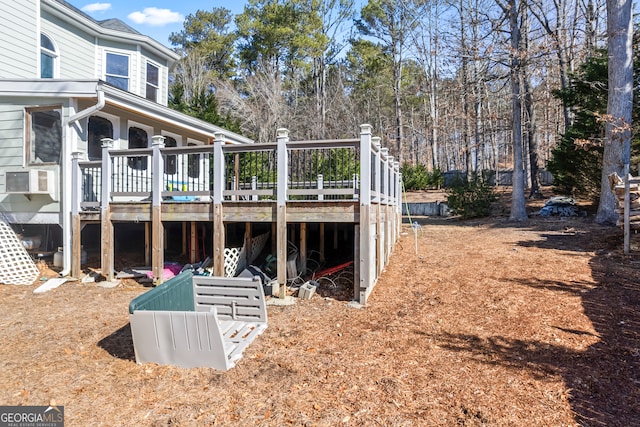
(490, 323)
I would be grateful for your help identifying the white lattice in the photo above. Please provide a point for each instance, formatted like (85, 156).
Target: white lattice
(231, 258)
(257, 245)
(16, 266)
(235, 259)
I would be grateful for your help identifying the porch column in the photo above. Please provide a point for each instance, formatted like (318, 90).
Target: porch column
(364, 263)
(106, 226)
(218, 220)
(76, 199)
(281, 217)
(157, 229)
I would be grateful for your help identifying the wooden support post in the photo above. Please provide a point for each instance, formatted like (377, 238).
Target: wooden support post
(218, 218)
(281, 215)
(322, 256)
(356, 264)
(76, 241)
(274, 240)
(147, 243)
(184, 238)
(365, 249)
(303, 247)
(193, 242)
(157, 228)
(106, 226)
(398, 183)
(247, 242)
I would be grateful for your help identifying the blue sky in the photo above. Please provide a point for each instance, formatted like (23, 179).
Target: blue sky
(156, 18)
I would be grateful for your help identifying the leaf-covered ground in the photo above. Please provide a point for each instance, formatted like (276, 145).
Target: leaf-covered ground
(486, 323)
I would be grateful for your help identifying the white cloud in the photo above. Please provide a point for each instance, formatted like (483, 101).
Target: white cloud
(156, 17)
(96, 7)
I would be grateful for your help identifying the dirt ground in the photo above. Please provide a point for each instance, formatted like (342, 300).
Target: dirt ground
(486, 323)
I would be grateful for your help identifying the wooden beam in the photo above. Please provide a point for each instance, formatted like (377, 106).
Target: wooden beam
(193, 242)
(106, 248)
(218, 241)
(76, 246)
(157, 248)
(322, 257)
(147, 243)
(247, 242)
(303, 247)
(356, 262)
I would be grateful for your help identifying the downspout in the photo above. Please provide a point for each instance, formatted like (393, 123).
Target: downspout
(67, 184)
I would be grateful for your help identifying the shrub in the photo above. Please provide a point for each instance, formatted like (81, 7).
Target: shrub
(414, 177)
(419, 178)
(471, 199)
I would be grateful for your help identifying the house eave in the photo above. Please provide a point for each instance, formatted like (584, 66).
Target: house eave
(89, 89)
(69, 15)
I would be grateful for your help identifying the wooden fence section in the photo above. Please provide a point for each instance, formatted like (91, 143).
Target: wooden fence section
(215, 181)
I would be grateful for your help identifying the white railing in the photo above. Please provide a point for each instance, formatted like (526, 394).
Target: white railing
(337, 170)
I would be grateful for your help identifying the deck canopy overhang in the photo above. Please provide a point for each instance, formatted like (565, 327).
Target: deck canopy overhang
(96, 95)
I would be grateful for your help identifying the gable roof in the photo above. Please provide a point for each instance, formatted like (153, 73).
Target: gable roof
(110, 29)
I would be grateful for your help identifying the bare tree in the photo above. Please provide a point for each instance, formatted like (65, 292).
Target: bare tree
(257, 102)
(513, 11)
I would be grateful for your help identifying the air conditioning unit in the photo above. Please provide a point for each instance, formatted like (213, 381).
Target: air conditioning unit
(30, 181)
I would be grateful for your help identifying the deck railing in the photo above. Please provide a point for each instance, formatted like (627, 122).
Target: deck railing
(293, 170)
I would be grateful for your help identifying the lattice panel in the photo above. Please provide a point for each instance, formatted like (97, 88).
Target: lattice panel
(16, 266)
(231, 258)
(235, 259)
(257, 245)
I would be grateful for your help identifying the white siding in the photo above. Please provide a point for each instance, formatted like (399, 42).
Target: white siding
(12, 156)
(11, 137)
(18, 38)
(163, 76)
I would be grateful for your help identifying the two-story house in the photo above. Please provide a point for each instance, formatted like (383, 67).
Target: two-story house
(67, 82)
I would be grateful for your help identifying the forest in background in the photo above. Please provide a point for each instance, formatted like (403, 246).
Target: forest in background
(466, 85)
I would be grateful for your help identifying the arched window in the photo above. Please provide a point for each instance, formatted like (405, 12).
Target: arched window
(170, 161)
(98, 128)
(48, 58)
(138, 138)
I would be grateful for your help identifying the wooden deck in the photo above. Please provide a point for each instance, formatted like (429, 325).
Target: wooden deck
(337, 181)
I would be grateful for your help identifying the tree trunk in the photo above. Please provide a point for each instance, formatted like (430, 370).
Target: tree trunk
(617, 149)
(518, 207)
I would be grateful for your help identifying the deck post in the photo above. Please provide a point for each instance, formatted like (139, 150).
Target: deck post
(365, 252)
(379, 196)
(322, 258)
(157, 229)
(385, 208)
(391, 207)
(106, 226)
(398, 184)
(218, 220)
(76, 241)
(303, 247)
(281, 216)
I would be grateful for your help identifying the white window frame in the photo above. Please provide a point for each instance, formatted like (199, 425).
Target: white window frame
(51, 53)
(129, 65)
(146, 77)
